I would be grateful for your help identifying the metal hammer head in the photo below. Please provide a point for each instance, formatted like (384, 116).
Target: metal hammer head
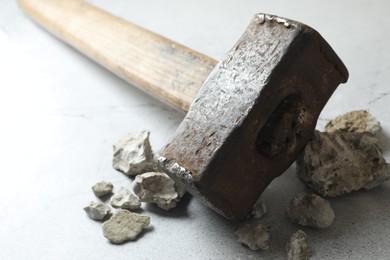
(254, 114)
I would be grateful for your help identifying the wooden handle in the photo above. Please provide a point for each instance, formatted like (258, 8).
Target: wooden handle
(166, 70)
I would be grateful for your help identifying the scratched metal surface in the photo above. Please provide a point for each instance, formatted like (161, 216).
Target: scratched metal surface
(60, 114)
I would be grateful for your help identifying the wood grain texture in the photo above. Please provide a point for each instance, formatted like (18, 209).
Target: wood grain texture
(164, 69)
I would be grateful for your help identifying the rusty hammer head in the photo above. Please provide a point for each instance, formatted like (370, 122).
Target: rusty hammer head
(254, 114)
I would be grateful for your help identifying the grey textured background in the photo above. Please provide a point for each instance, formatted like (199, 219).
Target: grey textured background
(60, 113)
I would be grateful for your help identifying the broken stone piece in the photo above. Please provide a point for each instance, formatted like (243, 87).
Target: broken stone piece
(102, 189)
(97, 210)
(310, 210)
(125, 199)
(156, 187)
(180, 189)
(355, 121)
(133, 154)
(124, 225)
(253, 235)
(333, 164)
(381, 175)
(297, 248)
(259, 209)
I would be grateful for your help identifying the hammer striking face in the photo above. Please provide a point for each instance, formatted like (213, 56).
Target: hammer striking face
(254, 114)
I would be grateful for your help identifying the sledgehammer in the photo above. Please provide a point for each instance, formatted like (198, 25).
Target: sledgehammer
(249, 115)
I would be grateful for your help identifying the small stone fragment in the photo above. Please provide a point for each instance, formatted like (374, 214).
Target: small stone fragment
(180, 190)
(356, 121)
(259, 209)
(124, 225)
(253, 235)
(125, 199)
(97, 210)
(133, 154)
(310, 210)
(333, 164)
(102, 189)
(156, 187)
(297, 248)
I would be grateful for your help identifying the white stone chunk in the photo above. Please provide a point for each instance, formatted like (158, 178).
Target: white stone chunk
(97, 210)
(355, 121)
(333, 164)
(125, 199)
(297, 248)
(310, 210)
(102, 189)
(255, 236)
(156, 187)
(133, 154)
(259, 209)
(124, 225)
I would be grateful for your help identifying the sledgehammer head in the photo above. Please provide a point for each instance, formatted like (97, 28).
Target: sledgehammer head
(254, 114)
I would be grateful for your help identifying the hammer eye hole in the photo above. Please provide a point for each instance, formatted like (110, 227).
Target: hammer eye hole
(282, 129)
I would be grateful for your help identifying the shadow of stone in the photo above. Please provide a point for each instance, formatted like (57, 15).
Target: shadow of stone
(105, 198)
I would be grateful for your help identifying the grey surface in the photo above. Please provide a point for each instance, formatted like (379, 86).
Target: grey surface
(60, 114)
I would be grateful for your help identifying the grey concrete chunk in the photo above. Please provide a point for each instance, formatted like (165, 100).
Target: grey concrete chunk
(156, 187)
(102, 189)
(133, 154)
(381, 175)
(334, 164)
(310, 210)
(355, 121)
(259, 209)
(255, 236)
(97, 210)
(124, 225)
(125, 199)
(297, 248)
